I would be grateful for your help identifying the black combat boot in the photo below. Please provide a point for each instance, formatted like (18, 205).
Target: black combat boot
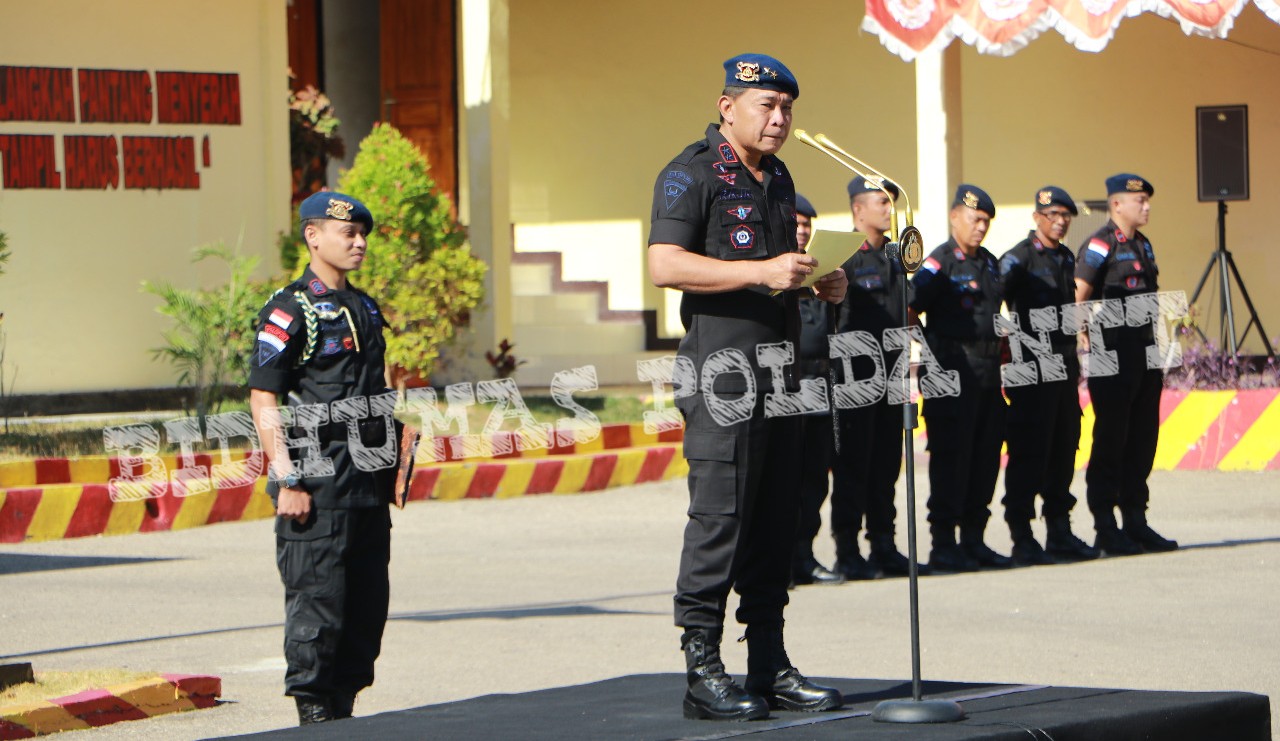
(312, 710)
(1062, 543)
(343, 705)
(849, 561)
(712, 694)
(947, 557)
(1111, 539)
(807, 570)
(1136, 527)
(886, 557)
(771, 675)
(1026, 549)
(973, 546)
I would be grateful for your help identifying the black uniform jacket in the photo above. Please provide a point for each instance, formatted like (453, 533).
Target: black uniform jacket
(960, 296)
(324, 345)
(1118, 267)
(706, 201)
(1036, 276)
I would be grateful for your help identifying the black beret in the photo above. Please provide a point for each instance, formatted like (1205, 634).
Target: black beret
(974, 197)
(872, 185)
(330, 205)
(804, 207)
(760, 71)
(1127, 182)
(1052, 195)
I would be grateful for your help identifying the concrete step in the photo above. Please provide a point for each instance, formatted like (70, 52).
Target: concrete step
(559, 309)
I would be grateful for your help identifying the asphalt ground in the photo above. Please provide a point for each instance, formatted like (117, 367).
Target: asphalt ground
(523, 594)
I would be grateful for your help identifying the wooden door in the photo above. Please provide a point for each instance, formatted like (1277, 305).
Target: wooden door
(419, 81)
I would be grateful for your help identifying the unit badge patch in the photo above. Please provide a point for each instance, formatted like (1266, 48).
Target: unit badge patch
(741, 212)
(673, 190)
(742, 237)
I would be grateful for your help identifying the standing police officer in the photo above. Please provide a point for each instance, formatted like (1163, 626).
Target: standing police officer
(866, 470)
(320, 341)
(958, 290)
(724, 232)
(1118, 262)
(815, 323)
(1044, 417)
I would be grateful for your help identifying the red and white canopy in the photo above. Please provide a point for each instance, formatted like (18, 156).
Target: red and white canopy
(1002, 27)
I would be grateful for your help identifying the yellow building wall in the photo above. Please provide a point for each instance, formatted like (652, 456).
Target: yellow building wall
(603, 94)
(1051, 114)
(74, 315)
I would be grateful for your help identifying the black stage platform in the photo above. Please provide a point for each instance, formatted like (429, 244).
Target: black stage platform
(648, 707)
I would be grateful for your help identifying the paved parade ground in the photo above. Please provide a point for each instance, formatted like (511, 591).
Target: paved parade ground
(516, 595)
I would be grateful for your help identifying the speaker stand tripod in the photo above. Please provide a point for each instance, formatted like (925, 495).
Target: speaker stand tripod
(1222, 260)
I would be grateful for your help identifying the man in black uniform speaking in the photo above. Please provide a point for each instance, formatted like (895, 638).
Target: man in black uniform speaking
(1118, 262)
(958, 291)
(1044, 417)
(724, 232)
(320, 346)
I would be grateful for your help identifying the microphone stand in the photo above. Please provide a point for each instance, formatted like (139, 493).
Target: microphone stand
(907, 251)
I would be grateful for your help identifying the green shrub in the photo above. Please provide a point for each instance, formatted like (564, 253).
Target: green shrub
(418, 266)
(212, 344)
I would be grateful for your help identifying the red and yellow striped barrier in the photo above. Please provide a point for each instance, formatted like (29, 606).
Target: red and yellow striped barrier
(167, 693)
(48, 499)
(1201, 431)
(75, 510)
(98, 469)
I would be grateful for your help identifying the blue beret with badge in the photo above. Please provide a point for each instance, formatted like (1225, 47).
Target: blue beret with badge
(760, 71)
(971, 196)
(1127, 182)
(1052, 195)
(804, 207)
(338, 206)
(872, 185)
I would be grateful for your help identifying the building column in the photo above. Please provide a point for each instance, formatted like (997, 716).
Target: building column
(484, 197)
(939, 140)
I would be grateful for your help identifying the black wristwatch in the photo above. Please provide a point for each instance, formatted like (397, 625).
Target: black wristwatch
(291, 480)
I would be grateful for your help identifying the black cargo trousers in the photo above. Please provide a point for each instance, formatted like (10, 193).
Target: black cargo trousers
(744, 503)
(334, 570)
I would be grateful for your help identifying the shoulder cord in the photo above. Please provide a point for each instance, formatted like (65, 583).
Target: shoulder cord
(309, 318)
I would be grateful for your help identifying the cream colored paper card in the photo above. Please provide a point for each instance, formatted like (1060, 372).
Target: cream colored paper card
(831, 249)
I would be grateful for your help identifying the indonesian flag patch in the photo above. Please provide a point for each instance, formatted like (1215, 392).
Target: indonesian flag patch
(280, 318)
(932, 265)
(1099, 247)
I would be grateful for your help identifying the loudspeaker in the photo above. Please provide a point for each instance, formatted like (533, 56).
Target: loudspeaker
(1222, 152)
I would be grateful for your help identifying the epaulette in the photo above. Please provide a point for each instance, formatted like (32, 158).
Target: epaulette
(691, 151)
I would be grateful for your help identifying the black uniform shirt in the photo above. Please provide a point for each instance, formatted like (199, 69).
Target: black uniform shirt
(960, 296)
(707, 202)
(339, 357)
(1034, 277)
(1119, 267)
(873, 302)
